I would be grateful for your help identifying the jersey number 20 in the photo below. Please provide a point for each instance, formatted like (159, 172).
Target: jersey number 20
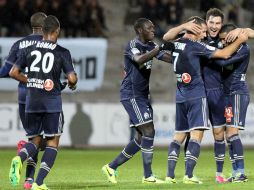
(47, 61)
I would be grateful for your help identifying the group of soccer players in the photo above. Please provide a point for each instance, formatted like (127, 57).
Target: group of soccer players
(37, 62)
(210, 86)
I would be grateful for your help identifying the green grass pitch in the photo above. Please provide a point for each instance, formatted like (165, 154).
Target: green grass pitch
(81, 169)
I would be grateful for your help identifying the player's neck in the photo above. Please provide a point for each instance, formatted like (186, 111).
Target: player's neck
(50, 37)
(37, 31)
(190, 36)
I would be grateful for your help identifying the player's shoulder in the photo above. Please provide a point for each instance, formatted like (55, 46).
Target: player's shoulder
(62, 49)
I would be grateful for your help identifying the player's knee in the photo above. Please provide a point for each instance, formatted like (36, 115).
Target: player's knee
(147, 130)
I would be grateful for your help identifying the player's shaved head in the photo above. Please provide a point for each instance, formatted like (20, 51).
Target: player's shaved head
(50, 24)
(37, 19)
(139, 23)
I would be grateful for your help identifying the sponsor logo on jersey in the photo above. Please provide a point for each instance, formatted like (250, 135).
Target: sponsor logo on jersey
(228, 114)
(35, 83)
(48, 85)
(186, 78)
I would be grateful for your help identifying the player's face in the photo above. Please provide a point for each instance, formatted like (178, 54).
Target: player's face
(222, 38)
(148, 31)
(203, 33)
(214, 24)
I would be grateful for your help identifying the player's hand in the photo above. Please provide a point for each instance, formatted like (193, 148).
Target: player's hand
(167, 46)
(232, 35)
(192, 27)
(72, 87)
(243, 36)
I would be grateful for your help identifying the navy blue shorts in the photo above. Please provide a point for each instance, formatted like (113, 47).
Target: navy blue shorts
(191, 115)
(216, 106)
(236, 109)
(48, 124)
(139, 110)
(22, 114)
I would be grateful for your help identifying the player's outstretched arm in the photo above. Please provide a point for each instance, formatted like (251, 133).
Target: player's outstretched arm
(16, 73)
(143, 58)
(232, 35)
(226, 52)
(174, 32)
(72, 80)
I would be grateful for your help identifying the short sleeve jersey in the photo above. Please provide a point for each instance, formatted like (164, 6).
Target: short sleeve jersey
(136, 77)
(45, 62)
(186, 58)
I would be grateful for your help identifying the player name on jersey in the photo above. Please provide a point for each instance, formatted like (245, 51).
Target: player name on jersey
(46, 45)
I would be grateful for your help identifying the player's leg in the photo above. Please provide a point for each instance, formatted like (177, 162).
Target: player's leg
(198, 122)
(219, 153)
(33, 123)
(236, 113)
(52, 126)
(132, 147)
(181, 129)
(173, 155)
(216, 105)
(32, 161)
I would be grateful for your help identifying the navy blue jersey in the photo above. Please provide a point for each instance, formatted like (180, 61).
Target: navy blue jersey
(45, 62)
(212, 72)
(234, 71)
(186, 59)
(136, 80)
(12, 58)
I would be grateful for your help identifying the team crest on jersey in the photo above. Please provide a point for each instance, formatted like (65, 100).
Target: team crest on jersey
(186, 78)
(48, 85)
(228, 114)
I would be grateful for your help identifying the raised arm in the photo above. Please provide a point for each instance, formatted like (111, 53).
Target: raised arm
(226, 52)
(232, 35)
(174, 32)
(143, 58)
(230, 61)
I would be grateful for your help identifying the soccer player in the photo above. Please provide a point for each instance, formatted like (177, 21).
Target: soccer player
(134, 93)
(45, 61)
(36, 24)
(191, 102)
(212, 75)
(237, 100)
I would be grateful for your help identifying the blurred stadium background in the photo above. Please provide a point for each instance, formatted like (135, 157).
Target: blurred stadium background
(94, 117)
(96, 32)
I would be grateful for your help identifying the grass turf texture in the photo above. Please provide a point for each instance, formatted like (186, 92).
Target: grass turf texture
(81, 169)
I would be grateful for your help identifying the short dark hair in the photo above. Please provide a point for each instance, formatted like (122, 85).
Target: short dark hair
(197, 20)
(50, 24)
(227, 28)
(37, 19)
(139, 23)
(214, 12)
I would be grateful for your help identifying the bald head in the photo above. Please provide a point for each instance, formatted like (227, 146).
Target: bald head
(37, 19)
